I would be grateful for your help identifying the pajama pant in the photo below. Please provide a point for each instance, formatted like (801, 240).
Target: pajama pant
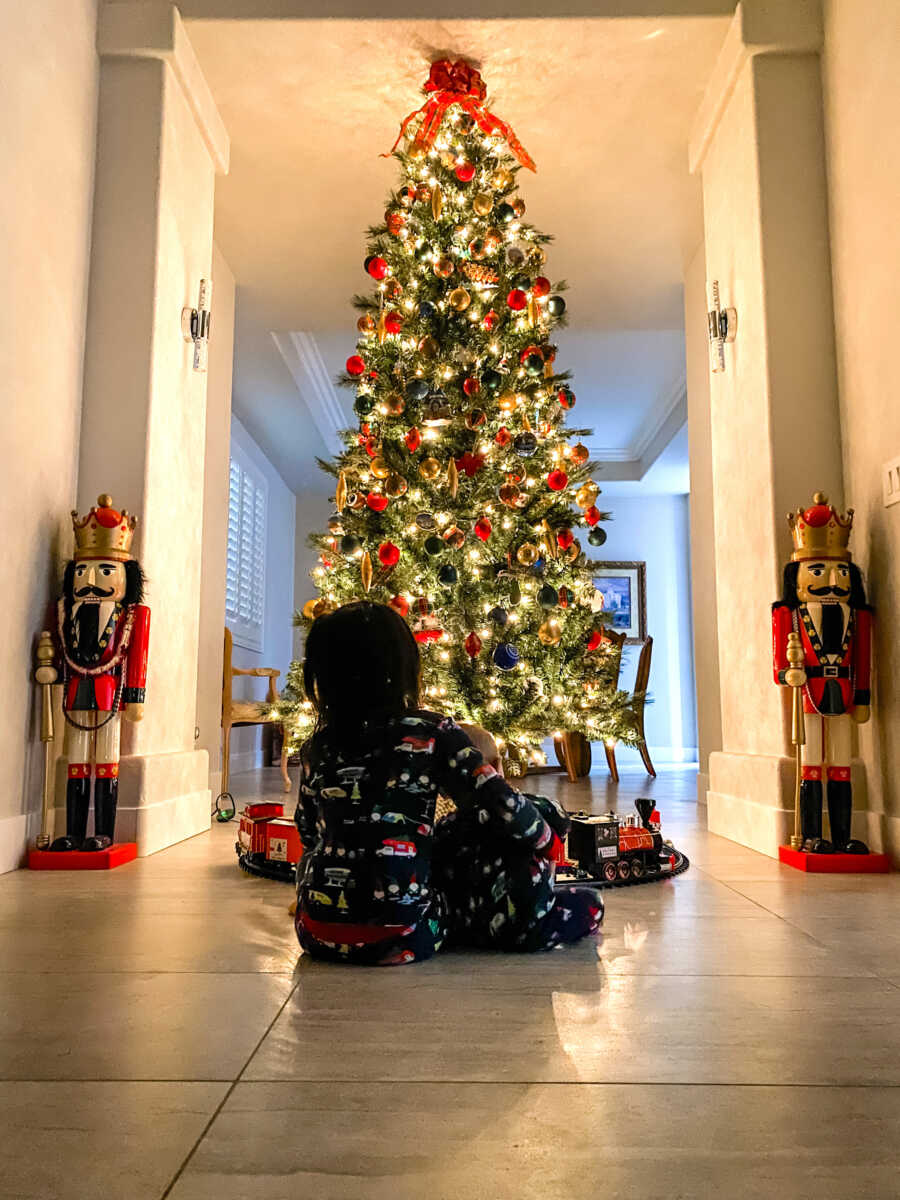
(489, 893)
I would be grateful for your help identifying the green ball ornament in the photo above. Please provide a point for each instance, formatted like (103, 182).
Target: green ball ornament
(534, 364)
(363, 405)
(448, 575)
(547, 597)
(349, 544)
(556, 306)
(597, 536)
(434, 545)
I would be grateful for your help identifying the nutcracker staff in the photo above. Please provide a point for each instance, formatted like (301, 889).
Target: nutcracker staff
(103, 633)
(825, 604)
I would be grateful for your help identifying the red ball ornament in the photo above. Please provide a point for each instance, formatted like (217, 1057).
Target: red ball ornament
(528, 351)
(565, 597)
(471, 385)
(517, 299)
(413, 440)
(592, 514)
(407, 196)
(565, 538)
(393, 322)
(595, 641)
(489, 320)
(388, 554)
(557, 480)
(482, 529)
(470, 464)
(566, 397)
(376, 501)
(541, 286)
(376, 266)
(400, 605)
(355, 365)
(394, 221)
(473, 645)
(465, 172)
(503, 437)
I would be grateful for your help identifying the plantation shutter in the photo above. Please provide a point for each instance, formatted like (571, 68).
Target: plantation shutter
(245, 574)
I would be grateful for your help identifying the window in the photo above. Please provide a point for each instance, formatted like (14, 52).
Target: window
(245, 576)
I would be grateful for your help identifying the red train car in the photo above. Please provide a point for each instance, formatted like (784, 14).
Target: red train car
(268, 842)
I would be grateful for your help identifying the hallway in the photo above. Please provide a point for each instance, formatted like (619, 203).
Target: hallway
(180, 1048)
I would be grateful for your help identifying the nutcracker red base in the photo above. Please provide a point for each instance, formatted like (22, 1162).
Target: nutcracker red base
(835, 864)
(83, 860)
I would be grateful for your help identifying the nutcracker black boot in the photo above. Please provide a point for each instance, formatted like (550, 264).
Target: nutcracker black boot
(106, 795)
(840, 806)
(78, 799)
(811, 817)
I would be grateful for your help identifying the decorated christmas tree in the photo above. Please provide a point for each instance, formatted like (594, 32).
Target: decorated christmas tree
(461, 499)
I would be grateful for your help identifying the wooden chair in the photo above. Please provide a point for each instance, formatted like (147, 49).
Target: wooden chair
(241, 713)
(641, 679)
(573, 750)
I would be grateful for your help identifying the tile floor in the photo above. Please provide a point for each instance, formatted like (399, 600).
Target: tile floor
(736, 1034)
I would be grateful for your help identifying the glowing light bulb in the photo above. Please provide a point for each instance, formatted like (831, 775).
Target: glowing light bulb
(557, 700)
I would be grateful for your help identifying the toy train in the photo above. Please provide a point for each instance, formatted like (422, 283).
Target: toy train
(268, 842)
(610, 850)
(604, 851)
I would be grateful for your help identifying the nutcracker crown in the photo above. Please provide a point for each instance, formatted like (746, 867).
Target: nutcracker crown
(820, 531)
(104, 532)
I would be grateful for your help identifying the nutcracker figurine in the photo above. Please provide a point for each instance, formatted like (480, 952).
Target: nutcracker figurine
(103, 633)
(825, 605)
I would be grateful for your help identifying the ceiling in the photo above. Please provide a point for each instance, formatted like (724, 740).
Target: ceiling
(603, 106)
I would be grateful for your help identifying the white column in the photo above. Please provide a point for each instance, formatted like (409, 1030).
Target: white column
(160, 144)
(774, 422)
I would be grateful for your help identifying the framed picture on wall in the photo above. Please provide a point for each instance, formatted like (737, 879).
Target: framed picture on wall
(623, 586)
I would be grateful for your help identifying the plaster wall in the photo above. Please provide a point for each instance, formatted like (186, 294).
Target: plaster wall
(313, 511)
(215, 518)
(655, 530)
(278, 633)
(703, 526)
(862, 114)
(48, 110)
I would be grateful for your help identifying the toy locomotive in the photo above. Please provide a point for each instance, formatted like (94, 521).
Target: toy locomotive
(610, 849)
(268, 842)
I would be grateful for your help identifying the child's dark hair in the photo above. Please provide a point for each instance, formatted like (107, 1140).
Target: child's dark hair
(361, 668)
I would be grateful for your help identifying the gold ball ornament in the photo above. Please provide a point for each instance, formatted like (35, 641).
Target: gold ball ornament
(428, 347)
(483, 203)
(510, 494)
(527, 554)
(573, 553)
(416, 152)
(587, 494)
(459, 299)
(356, 500)
(379, 467)
(366, 323)
(579, 455)
(493, 237)
(454, 537)
(323, 606)
(309, 608)
(501, 179)
(508, 402)
(395, 485)
(550, 631)
(443, 268)
(429, 468)
(395, 404)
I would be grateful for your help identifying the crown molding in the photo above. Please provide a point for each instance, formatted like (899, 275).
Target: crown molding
(153, 30)
(632, 462)
(307, 367)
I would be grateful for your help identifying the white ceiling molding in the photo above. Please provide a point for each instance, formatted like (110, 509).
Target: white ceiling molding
(634, 461)
(308, 370)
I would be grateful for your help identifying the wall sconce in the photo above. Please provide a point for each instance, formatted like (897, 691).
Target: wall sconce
(195, 324)
(722, 325)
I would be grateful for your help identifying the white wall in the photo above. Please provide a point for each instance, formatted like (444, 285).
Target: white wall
(48, 111)
(279, 598)
(215, 519)
(655, 530)
(313, 511)
(862, 115)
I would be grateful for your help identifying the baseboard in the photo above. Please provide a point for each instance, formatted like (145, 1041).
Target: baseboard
(13, 842)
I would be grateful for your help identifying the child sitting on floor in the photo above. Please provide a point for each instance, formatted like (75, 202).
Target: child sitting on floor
(379, 883)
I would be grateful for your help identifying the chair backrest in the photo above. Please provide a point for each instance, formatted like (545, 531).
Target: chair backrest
(618, 641)
(642, 675)
(227, 671)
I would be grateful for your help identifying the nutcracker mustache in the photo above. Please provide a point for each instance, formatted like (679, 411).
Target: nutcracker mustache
(82, 593)
(828, 591)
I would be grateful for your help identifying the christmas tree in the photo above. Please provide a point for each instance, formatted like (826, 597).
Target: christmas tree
(454, 496)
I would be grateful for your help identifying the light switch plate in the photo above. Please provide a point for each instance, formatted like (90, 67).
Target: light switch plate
(890, 482)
